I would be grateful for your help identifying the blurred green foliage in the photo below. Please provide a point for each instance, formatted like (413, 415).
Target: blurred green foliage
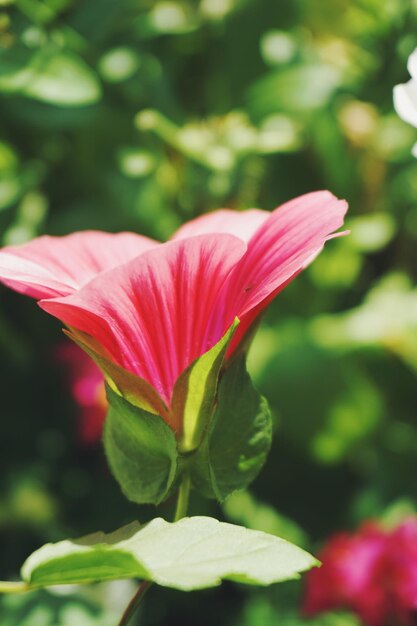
(140, 114)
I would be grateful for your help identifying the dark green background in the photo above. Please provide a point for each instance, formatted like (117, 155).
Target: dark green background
(138, 115)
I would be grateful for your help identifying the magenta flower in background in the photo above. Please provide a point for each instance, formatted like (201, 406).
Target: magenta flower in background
(372, 572)
(86, 385)
(151, 309)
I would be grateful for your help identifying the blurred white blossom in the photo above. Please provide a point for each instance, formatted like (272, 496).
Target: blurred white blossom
(405, 96)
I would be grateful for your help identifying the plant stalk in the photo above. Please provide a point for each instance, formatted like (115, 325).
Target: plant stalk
(134, 603)
(183, 497)
(180, 512)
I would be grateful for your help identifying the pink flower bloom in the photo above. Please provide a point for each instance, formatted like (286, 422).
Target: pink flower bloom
(373, 573)
(152, 309)
(57, 266)
(86, 384)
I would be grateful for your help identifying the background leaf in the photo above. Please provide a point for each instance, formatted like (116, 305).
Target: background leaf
(53, 76)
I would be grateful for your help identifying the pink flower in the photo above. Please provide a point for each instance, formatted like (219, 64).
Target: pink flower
(86, 384)
(373, 573)
(151, 309)
(48, 267)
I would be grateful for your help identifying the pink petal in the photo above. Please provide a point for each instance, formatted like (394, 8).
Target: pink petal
(152, 313)
(56, 266)
(242, 224)
(284, 245)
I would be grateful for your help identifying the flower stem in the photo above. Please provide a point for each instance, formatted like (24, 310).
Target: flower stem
(183, 497)
(180, 512)
(135, 601)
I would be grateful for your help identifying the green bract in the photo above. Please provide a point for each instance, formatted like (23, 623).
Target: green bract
(223, 437)
(238, 439)
(195, 392)
(193, 553)
(141, 449)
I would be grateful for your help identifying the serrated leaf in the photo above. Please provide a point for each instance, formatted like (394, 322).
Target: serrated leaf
(193, 553)
(239, 437)
(195, 392)
(141, 450)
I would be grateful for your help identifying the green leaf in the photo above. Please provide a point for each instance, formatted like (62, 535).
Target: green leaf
(297, 88)
(243, 508)
(51, 75)
(195, 392)
(239, 437)
(193, 553)
(141, 449)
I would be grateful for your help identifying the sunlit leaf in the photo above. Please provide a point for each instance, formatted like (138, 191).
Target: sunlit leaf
(194, 553)
(51, 75)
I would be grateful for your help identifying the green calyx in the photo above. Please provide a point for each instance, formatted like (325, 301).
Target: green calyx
(195, 393)
(238, 438)
(218, 429)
